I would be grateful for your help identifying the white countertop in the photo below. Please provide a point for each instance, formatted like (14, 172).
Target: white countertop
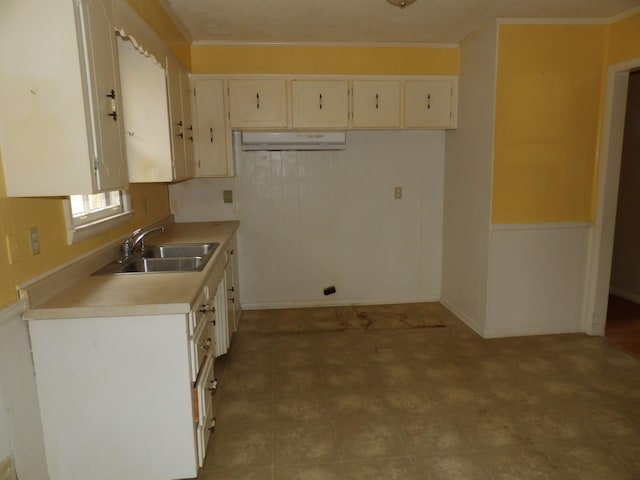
(144, 293)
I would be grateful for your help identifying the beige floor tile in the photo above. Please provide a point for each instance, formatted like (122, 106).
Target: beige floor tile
(236, 407)
(305, 381)
(303, 406)
(594, 462)
(309, 472)
(235, 446)
(432, 434)
(363, 437)
(452, 467)
(357, 402)
(304, 442)
(387, 469)
(260, 473)
(372, 392)
(248, 383)
(525, 464)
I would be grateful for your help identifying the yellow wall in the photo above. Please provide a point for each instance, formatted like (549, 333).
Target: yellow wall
(156, 16)
(624, 39)
(18, 215)
(549, 89)
(306, 59)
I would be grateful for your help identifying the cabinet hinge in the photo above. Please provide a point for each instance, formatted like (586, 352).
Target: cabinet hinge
(96, 164)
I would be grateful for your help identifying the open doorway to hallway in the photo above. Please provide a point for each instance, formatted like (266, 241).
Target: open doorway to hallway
(623, 311)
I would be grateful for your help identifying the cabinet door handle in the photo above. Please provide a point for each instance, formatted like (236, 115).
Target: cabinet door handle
(258, 101)
(211, 134)
(428, 101)
(214, 386)
(377, 100)
(320, 101)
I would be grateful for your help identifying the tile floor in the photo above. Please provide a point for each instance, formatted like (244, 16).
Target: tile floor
(408, 392)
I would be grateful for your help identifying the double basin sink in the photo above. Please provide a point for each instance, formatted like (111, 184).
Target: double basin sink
(173, 257)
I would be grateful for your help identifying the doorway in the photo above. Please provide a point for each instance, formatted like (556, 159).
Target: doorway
(601, 242)
(623, 310)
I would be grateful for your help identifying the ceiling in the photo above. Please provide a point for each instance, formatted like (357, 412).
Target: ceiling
(368, 21)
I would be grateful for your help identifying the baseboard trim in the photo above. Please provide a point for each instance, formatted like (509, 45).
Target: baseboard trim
(335, 303)
(630, 296)
(501, 333)
(470, 322)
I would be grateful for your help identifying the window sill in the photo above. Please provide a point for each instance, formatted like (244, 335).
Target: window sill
(77, 234)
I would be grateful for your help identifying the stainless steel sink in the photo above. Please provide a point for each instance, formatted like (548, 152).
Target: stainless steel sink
(179, 257)
(179, 250)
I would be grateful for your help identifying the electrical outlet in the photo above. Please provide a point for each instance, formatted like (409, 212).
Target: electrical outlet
(7, 471)
(227, 196)
(35, 240)
(397, 193)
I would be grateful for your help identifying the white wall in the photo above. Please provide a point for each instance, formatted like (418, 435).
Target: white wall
(18, 390)
(468, 173)
(536, 279)
(5, 441)
(314, 219)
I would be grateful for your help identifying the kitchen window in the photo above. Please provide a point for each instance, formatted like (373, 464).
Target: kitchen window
(89, 215)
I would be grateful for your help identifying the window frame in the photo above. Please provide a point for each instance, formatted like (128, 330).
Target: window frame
(95, 223)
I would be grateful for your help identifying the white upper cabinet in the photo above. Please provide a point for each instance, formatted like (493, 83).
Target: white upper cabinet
(376, 103)
(61, 127)
(181, 124)
(258, 103)
(320, 103)
(213, 152)
(430, 103)
(146, 115)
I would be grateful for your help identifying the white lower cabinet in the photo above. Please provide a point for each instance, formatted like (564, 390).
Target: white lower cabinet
(134, 396)
(116, 397)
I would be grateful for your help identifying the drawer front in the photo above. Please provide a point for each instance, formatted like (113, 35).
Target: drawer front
(199, 315)
(205, 389)
(202, 343)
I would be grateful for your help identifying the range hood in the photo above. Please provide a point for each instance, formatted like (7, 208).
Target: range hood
(291, 140)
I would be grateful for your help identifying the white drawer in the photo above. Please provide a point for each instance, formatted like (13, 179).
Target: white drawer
(202, 343)
(205, 391)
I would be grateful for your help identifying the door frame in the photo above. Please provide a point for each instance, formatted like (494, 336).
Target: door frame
(600, 250)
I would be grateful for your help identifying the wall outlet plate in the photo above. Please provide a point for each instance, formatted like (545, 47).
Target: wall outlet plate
(35, 240)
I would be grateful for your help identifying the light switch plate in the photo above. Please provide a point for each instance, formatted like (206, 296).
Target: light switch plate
(397, 193)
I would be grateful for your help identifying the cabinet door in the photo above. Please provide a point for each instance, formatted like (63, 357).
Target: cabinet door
(258, 103)
(221, 325)
(180, 123)
(428, 103)
(57, 66)
(376, 103)
(187, 116)
(320, 103)
(212, 147)
(105, 94)
(146, 116)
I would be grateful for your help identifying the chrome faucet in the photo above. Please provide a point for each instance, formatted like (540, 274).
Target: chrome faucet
(137, 237)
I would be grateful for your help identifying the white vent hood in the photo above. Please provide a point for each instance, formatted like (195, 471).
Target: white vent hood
(292, 140)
